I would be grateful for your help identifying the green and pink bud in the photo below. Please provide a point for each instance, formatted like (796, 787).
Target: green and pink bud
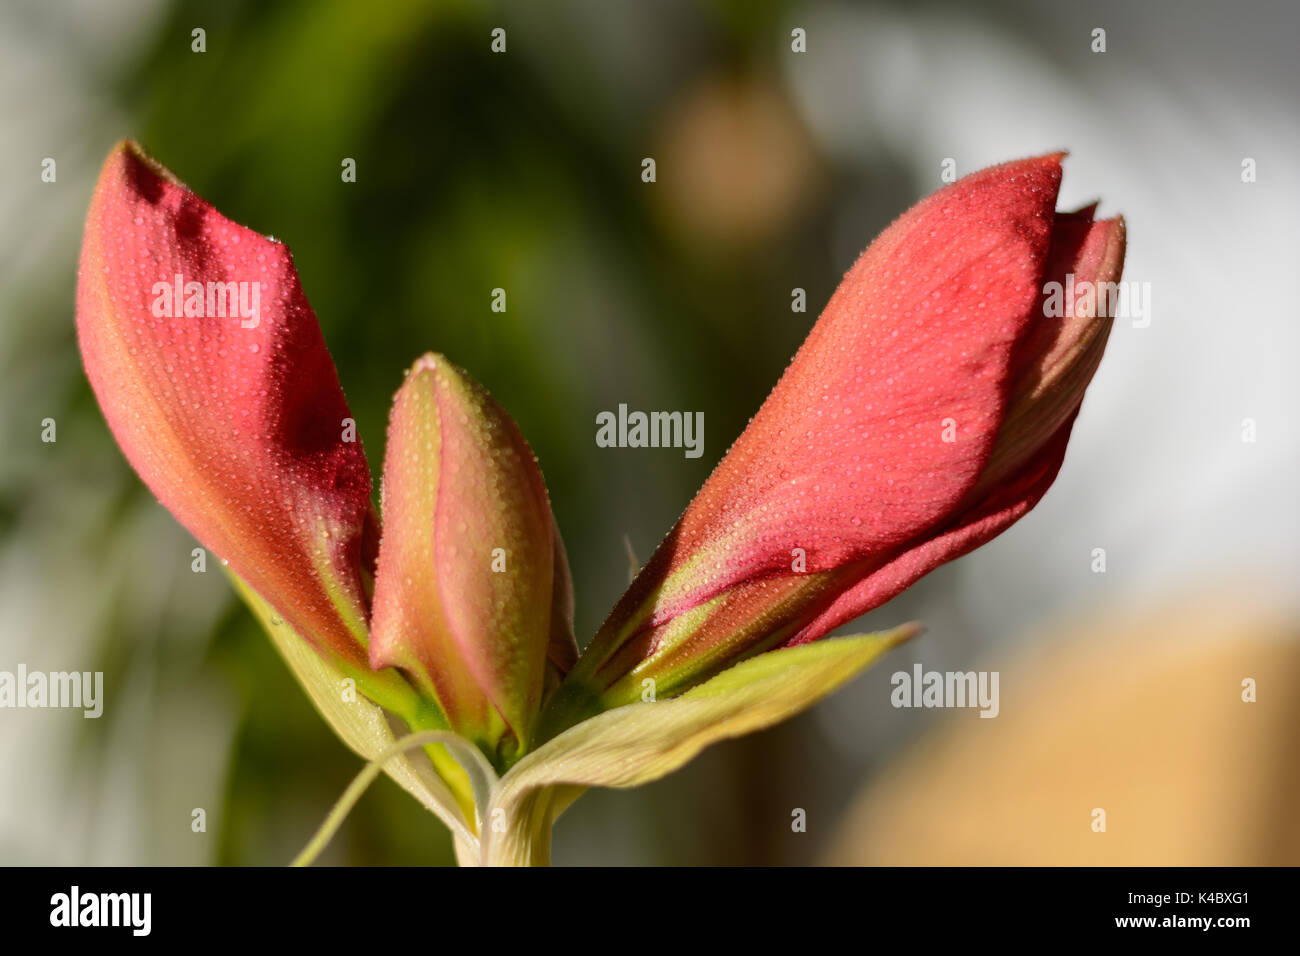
(473, 592)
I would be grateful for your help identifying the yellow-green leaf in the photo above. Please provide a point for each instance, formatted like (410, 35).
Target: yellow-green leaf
(641, 742)
(363, 726)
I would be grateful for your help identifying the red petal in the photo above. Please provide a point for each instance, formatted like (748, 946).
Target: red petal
(1005, 507)
(238, 431)
(1060, 353)
(928, 410)
(846, 458)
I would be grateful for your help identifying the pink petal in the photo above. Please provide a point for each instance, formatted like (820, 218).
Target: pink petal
(238, 431)
(472, 592)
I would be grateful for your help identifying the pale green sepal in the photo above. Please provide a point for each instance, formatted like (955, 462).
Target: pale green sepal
(641, 742)
(360, 724)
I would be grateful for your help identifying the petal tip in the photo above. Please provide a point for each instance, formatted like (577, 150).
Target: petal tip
(437, 366)
(905, 632)
(428, 362)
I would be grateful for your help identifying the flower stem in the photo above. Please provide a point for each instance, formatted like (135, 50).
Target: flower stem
(358, 787)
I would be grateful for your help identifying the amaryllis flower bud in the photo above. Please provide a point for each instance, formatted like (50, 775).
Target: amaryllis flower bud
(927, 411)
(473, 590)
(211, 370)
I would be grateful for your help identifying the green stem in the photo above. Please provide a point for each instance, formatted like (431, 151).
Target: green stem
(359, 785)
